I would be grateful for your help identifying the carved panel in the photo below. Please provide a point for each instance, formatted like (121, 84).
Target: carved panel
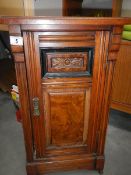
(67, 62)
(60, 62)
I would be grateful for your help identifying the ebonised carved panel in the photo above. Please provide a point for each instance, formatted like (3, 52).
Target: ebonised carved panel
(66, 62)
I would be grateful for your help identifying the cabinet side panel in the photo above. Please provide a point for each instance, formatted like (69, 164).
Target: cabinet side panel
(24, 109)
(18, 53)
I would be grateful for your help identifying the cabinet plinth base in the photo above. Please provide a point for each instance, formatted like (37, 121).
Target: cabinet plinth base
(51, 165)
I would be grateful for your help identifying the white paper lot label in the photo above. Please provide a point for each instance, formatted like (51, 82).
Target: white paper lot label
(16, 40)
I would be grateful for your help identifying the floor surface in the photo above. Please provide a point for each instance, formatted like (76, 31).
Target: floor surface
(12, 153)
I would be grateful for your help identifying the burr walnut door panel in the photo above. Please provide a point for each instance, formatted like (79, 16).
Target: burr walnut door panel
(66, 113)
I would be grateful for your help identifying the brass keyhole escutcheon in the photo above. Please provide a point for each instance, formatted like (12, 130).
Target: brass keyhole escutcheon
(36, 111)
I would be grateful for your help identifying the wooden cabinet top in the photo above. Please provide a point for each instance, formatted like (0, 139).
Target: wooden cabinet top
(65, 20)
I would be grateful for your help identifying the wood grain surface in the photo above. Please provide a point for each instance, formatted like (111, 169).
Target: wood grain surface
(67, 109)
(67, 62)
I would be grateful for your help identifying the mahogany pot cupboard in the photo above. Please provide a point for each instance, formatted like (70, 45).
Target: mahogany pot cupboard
(64, 69)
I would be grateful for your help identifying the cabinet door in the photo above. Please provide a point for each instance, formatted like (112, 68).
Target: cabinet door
(66, 105)
(64, 93)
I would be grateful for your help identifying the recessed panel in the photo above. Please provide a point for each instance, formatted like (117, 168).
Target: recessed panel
(67, 118)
